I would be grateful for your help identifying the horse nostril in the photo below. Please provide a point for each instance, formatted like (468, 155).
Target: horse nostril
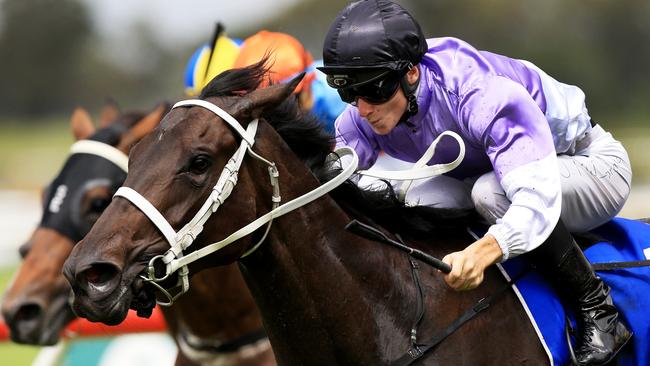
(99, 275)
(27, 312)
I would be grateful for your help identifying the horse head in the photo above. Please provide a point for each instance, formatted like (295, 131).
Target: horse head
(36, 304)
(175, 168)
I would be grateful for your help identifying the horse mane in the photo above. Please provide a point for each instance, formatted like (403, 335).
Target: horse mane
(312, 144)
(301, 131)
(236, 82)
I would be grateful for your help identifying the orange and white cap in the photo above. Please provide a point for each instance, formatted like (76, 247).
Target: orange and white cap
(287, 57)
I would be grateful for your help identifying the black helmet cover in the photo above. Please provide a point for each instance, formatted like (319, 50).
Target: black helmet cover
(372, 34)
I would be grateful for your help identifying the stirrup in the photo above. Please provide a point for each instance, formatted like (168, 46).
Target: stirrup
(570, 331)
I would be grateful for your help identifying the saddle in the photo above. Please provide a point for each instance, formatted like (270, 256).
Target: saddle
(616, 250)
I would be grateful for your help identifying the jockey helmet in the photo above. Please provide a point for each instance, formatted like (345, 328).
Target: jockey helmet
(287, 57)
(371, 35)
(368, 50)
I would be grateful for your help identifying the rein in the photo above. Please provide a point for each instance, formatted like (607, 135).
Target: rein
(420, 169)
(175, 260)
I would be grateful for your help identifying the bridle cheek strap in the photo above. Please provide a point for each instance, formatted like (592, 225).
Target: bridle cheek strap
(181, 240)
(174, 259)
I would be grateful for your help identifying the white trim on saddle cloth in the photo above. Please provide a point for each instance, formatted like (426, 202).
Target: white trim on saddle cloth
(623, 240)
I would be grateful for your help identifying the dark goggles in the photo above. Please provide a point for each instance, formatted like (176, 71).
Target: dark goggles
(377, 90)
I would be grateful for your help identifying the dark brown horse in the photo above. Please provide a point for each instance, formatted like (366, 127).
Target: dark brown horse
(327, 296)
(36, 305)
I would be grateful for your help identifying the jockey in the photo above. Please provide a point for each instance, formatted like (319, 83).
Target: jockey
(287, 57)
(536, 165)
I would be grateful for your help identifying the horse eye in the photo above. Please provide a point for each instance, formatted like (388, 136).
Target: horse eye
(199, 165)
(98, 205)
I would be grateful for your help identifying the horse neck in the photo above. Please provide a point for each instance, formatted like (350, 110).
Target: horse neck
(329, 297)
(310, 280)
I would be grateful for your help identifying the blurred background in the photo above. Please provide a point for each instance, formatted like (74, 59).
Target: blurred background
(56, 55)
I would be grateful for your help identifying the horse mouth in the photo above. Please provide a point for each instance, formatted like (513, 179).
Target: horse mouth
(111, 310)
(144, 298)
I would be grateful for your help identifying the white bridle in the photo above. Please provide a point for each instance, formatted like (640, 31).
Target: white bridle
(175, 260)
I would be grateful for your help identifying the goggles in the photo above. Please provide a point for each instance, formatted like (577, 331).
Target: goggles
(378, 89)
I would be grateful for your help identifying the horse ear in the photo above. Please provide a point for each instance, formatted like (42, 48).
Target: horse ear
(81, 124)
(109, 114)
(142, 128)
(255, 103)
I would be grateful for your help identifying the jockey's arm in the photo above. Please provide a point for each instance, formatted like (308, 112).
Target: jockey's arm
(467, 266)
(503, 118)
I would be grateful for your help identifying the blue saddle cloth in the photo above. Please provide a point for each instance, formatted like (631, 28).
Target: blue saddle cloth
(627, 240)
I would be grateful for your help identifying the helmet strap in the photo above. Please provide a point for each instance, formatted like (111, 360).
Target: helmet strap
(411, 99)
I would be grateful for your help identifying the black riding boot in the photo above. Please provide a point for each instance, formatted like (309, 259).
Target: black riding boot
(601, 333)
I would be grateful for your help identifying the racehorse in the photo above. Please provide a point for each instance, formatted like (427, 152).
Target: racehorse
(326, 295)
(36, 305)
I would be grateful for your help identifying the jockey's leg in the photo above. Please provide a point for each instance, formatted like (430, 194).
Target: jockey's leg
(441, 192)
(601, 331)
(595, 183)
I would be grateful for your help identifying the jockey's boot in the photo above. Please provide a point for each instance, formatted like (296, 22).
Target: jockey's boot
(601, 332)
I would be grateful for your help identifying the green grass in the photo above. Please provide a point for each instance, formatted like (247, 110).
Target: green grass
(32, 152)
(11, 353)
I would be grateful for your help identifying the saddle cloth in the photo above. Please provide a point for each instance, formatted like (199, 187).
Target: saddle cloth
(626, 240)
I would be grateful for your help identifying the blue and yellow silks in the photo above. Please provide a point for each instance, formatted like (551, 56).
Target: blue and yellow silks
(209, 61)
